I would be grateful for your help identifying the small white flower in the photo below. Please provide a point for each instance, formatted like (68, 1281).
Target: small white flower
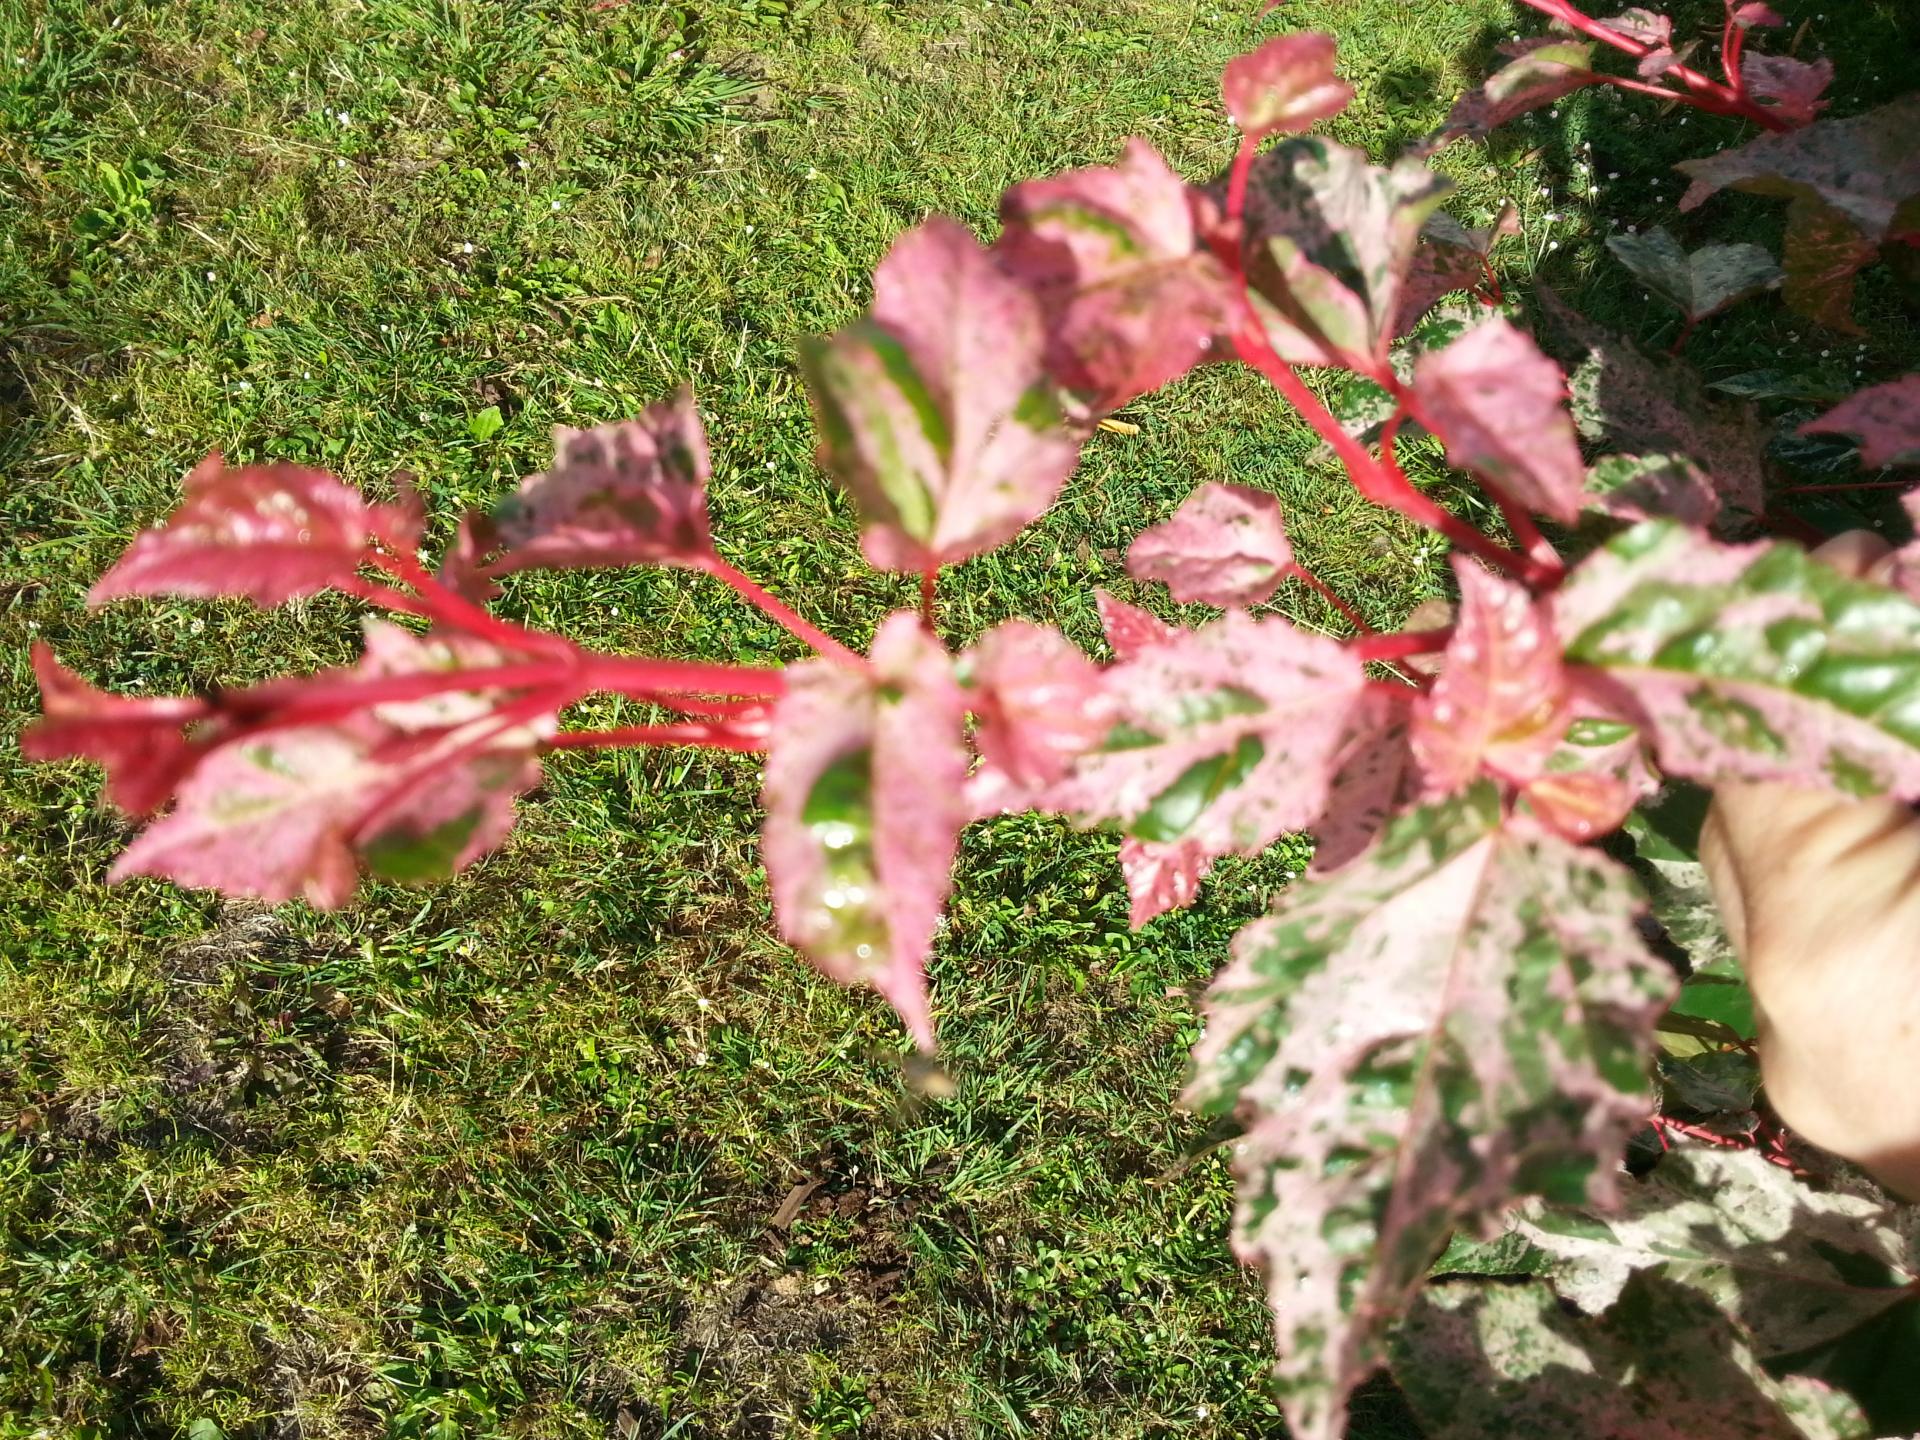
(1545, 192)
(521, 163)
(246, 385)
(1553, 114)
(749, 229)
(700, 1057)
(1613, 175)
(1553, 244)
(1633, 229)
(1200, 1412)
(1593, 190)
(340, 164)
(716, 157)
(613, 609)
(346, 119)
(210, 277)
(466, 247)
(555, 205)
(149, 429)
(703, 1002)
(306, 374)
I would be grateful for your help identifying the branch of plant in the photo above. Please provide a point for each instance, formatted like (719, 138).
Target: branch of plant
(441, 603)
(715, 737)
(778, 611)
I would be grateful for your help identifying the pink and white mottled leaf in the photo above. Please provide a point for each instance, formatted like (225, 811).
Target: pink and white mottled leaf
(1374, 776)
(1796, 1266)
(1132, 299)
(1225, 545)
(1500, 701)
(269, 533)
(865, 801)
(631, 493)
(1865, 166)
(139, 741)
(1287, 84)
(1226, 736)
(937, 412)
(1130, 631)
(1478, 1359)
(1161, 877)
(1040, 701)
(1823, 252)
(1458, 1019)
(1652, 487)
(1751, 662)
(1542, 71)
(1450, 257)
(1793, 89)
(1884, 418)
(1639, 404)
(1501, 407)
(1582, 806)
(1327, 244)
(1757, 15)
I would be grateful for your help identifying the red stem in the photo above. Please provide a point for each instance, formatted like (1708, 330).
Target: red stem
(929, 597)
(1314, 582)
(716, 737)
(754, 594)
(1398, 647)
(1237, 182)
(453, 609)
(1705, 94)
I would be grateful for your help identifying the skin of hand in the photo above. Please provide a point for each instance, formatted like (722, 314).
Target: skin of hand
(1821, 896)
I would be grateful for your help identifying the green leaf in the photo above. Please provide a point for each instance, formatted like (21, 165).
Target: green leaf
(1455, 1019)
(485, 425)
(1481, 1361)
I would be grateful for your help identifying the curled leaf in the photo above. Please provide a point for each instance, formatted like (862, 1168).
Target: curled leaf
(1287, 84)
(1542, 71)
(936, 412)
(1884, 418)
(269, 533)
(139, 741)
(1500, 406)
(1131, 298)
(1225, 545)
(865, 800)
(631, 493)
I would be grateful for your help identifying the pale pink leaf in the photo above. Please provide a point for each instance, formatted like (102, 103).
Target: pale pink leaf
(1131, 297)
(1792, 89)
(1500, 702)
(1757, 15)
(270, 533)
(1287, 84)
(1884, 418)
(937, 412)
(1225, 545)
(1751, 662)
(1226, 736)
(1581, 806)
(865, 799)
(1449, 1024)
(1161, 877)
(1501, 407)
(1639, 23)
(1040, 701)
(1374, 776)
(630, 493)
(1130, 631)
(139, 741)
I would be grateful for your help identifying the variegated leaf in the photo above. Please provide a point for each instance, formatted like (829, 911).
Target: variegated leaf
(1374, 775)
(1541, 72)
(1699, 284)
(1652, 487)
(1638, 404)
(630, 493)
(269, 533)
(1132, 299)
(1865, 166)
(1481, 1361)
(1752, 662)
(1823, 252)
(1501, 407)
(1226, 736)
(1131, 631)
(139, 741)
(1457, 1019)
(1161, 877)
(1500, 701)
(1040, 700)
(1225, 545)
(1884, 418)
(1449, 257)
(1328, 241)
(937, 412)
(864, 792)
(1793, 89)
(1796, 1266)
(1287, 84)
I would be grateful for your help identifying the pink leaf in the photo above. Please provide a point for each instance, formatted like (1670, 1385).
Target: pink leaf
(1580, 806)
(1885, 419)
(1750, 662)
(1500, 406)
(1130, 630)
(1226, 736)
(1132, 299)
(1373, 777)
(1039, 699)
(1756, 15)
(1903, 566)
(1652, 487)
(631, 493)
(1500, 700)
(1644, 25)
(1225, 545)
(417, 788)
(1450, 257)
(138, 741)
(270, 533)
(864, 798)
(1287, 84)
(937, 412)
(1792, 89)
(1543, 70)
(1161, 877)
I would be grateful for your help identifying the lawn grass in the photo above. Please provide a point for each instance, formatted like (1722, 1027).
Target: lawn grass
(504, 1155)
